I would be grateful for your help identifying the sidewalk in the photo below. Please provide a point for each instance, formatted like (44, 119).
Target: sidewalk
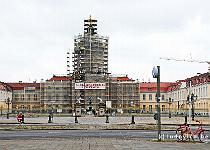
(94, 123)
(97, 144)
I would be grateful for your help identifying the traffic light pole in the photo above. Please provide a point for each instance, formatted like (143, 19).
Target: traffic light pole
(158, 104)
(156, 74)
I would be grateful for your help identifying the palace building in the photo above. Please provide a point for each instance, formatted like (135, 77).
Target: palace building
(90, 84)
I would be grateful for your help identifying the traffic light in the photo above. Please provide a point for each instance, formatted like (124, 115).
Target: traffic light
(156, 116)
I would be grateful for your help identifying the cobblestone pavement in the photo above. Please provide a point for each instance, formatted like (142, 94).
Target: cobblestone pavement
(101, 120)
(97, 144)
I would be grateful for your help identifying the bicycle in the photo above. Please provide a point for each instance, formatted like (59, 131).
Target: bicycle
(184, 132)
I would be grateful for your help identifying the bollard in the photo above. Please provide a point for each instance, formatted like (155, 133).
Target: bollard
(107, 119)
(23, 118)
(76, 120)
(185, 119)
(132, 121)
(169, 115)
(7, 115)
(50, 119)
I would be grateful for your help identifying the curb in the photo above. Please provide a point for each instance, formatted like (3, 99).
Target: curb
(83, 127)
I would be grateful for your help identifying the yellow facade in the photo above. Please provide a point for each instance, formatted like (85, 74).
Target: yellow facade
(201, 99)
(148, 102)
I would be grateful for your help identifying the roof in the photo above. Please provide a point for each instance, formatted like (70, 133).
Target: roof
(195, 80)
(152, 86)
(5, 87)
(59, 78)
(122, 79)
(198, 79)
(21, 86)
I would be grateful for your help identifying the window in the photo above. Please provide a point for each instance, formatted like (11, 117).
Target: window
(150, 108)
(206, 92)
(163, 108)
(144, 107)
(22, 96)
(35, 96)
(150, 97)
(144, 97)
(199, 92)
(57, 96)
(66, 97)
(49, 97)
(163, 97)
(149, 89)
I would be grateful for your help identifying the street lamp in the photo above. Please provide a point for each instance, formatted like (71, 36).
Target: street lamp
(50, 112)
(169, 103)
(193, 99)
(8, 102)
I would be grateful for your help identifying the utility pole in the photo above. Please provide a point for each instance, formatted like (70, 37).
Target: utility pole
(156, 74)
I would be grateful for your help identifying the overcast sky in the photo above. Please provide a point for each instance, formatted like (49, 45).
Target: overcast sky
(36, 34)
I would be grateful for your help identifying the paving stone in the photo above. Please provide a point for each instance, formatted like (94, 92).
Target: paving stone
(96, 144)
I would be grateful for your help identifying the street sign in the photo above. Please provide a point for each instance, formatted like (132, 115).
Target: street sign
(155, 72)
(59, 110)
(90, 86)
(108, 104)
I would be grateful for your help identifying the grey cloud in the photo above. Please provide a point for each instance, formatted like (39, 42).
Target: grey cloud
(140, 32)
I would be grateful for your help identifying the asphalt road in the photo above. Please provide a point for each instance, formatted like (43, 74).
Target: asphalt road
(81, 133)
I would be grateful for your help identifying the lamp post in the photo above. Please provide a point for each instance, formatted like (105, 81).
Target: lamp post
(90, 107)
(50, 110)
(169, 103)
(8, 102)
(132, 120)
(193, 99)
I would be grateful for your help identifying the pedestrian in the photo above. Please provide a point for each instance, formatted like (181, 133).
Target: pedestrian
(20, 117)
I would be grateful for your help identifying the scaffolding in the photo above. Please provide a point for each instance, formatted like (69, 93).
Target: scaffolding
(90, 66)
(56, 94)
(124, 93)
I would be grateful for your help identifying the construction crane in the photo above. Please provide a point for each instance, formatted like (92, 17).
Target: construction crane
(187, 60)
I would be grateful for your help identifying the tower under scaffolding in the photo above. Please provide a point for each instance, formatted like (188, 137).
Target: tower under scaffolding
(90, 67)
(90, 50)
